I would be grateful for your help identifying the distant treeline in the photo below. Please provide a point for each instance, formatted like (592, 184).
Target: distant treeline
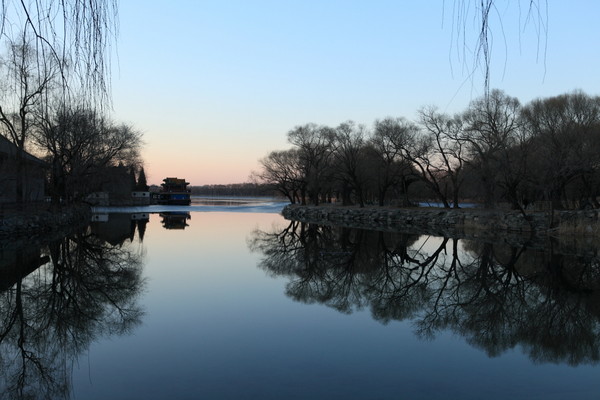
(496, 151)
(236, 190)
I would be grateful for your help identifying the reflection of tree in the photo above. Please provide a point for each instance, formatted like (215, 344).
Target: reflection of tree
(330, 265)
(543, 301)
(141, 226)
(49, 317)
(495, 295)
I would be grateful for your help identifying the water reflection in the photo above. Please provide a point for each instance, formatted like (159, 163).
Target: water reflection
(497, 296)
(57, 298)
(175, 220)
(115, 229)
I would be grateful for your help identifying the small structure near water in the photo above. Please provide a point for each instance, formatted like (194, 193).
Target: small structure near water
(174, 191)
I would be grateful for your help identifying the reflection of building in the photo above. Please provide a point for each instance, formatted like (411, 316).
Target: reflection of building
(116, 228)
(174, 191)
(175, 220)
(34, 172)
(99, 217)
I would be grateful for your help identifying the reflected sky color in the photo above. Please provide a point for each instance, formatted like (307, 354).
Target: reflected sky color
(217, 326)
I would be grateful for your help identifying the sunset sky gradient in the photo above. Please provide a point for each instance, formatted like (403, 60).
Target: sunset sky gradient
(215, 85)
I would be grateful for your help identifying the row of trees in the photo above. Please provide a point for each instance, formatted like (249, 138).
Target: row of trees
(39, 114)
(81, 145)
(54, 93)
(497, 150)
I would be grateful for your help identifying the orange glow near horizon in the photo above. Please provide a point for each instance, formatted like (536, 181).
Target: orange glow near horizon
(199, 169)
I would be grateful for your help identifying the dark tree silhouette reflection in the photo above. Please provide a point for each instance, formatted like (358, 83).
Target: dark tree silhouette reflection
(87, 289)
(497, 296)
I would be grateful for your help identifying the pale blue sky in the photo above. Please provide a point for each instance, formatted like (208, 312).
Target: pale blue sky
(216, 85)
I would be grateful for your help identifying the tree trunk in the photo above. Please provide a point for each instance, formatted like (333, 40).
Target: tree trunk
(381, 197)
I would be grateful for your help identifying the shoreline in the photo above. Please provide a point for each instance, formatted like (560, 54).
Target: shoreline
(469, 223)
(23, 224)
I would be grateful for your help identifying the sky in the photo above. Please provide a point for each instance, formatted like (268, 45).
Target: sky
(214, 86)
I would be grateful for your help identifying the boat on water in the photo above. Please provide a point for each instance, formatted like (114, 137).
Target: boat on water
(174, 191)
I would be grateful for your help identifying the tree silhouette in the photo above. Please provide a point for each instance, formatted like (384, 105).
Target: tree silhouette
(89, 289)
(494, 295)
(142, 185)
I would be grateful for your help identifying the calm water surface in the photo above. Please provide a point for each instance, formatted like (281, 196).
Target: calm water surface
(243, 304)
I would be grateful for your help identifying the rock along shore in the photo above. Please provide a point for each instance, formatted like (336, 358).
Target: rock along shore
(459, 223)
(40, 223)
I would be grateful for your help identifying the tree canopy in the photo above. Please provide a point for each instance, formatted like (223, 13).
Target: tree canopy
(497, 151)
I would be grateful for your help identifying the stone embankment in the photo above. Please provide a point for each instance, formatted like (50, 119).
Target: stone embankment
(22, 224)
(461, 223)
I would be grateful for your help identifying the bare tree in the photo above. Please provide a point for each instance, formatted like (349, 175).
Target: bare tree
(282, 170)
(315, 145)
(349, 160)
(418, 149)
(492, 129)
(446, 156)
(81, 144)
(26, 83)
(389, 167)
(565, 132)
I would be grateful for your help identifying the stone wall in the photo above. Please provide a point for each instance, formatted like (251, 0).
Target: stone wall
(20, 224)
(468, 222)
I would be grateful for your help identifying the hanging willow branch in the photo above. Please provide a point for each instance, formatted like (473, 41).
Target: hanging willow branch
(486, 18)
(78, 34)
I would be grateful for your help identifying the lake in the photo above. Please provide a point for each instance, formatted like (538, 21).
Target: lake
(228, 300)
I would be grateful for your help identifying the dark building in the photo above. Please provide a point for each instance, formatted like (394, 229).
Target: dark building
(174, 191)
(114, 186)
(33, 169)
(116, 181)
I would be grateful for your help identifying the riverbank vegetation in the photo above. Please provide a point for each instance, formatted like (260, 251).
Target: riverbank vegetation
(54, 101)
(497, 151)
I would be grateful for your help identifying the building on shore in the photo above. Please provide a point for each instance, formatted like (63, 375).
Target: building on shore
(174, 191)
(33, 172)
(115, 186)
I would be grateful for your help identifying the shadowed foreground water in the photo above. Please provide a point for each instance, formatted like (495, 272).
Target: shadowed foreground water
(227, 305)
